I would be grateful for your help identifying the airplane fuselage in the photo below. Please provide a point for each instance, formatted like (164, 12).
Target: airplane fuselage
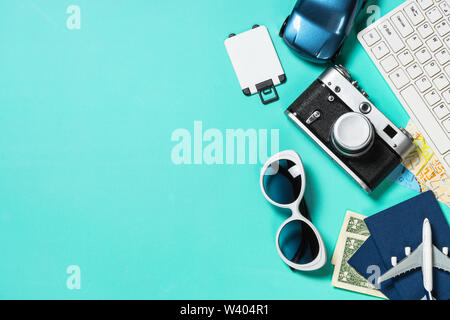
(427, 263)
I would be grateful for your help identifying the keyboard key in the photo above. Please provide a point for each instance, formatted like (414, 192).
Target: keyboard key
(389, 63)
(447, 159)
(434, 43)
(402, 24)
(371, 37)
(423, 55)
(425, 30)
(432, 97)
(432, 69)
(446, 124)
(423, 84)
(434, 15)
(441, 111)
(447, 41)
(443, 56)
(442, 28)
(447, 70)
(446, 95)
(425, 4)
(412, 11)
(405, 57)
(380, 50)
(399, 78)
(422, 113)
(414, 42)
(414, 71)
(445, 7)
(441, 82)
(391, 36)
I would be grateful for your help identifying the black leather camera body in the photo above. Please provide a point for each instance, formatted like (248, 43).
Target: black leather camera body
(338, 116)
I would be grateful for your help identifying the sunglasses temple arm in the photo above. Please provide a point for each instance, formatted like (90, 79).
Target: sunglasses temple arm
(299, 253)
(304, 209)
(311, 234)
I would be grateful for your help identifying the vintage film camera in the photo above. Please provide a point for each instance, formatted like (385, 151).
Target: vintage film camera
(338, 116)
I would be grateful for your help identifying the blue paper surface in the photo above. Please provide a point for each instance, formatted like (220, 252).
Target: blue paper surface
(405, 178)
(396, 228)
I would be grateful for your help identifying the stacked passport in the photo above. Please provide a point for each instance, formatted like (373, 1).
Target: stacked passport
(396, 228)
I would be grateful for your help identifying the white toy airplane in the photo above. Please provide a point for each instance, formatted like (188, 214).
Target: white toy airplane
(425, 256)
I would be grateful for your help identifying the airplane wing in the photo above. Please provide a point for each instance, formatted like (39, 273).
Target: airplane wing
(440, 260)
(411, 262)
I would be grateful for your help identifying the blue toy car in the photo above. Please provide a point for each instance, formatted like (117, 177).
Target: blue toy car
(316, 29)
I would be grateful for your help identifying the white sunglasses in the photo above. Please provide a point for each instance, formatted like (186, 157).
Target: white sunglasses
(299, 243)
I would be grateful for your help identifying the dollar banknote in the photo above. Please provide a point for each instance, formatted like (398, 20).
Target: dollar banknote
(353, 234)
(354, 225)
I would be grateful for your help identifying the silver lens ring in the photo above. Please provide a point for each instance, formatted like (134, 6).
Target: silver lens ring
(353, 135)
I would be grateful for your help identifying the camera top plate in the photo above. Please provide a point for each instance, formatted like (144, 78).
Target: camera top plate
(346, 89)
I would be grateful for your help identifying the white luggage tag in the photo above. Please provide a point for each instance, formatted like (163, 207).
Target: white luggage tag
(256, 63)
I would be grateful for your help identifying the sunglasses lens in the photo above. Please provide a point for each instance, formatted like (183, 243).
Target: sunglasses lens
(298, 242)
(282, 182)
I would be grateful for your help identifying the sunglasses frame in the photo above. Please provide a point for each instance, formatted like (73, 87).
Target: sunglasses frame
(321, 258)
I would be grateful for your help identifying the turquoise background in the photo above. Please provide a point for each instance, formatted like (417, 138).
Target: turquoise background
(86, 177)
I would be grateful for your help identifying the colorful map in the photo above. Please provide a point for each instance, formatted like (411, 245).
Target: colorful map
(422, 171)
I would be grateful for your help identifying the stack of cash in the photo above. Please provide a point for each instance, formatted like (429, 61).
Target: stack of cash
(353, 234)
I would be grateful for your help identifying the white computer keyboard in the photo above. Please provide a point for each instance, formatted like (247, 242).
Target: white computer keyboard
(411, 48)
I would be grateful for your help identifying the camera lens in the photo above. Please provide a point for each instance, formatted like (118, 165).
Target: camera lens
(353, 134)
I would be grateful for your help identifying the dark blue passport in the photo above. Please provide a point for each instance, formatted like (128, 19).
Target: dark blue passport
(396, 228)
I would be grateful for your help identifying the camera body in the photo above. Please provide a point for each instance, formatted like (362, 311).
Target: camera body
(338, 116)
